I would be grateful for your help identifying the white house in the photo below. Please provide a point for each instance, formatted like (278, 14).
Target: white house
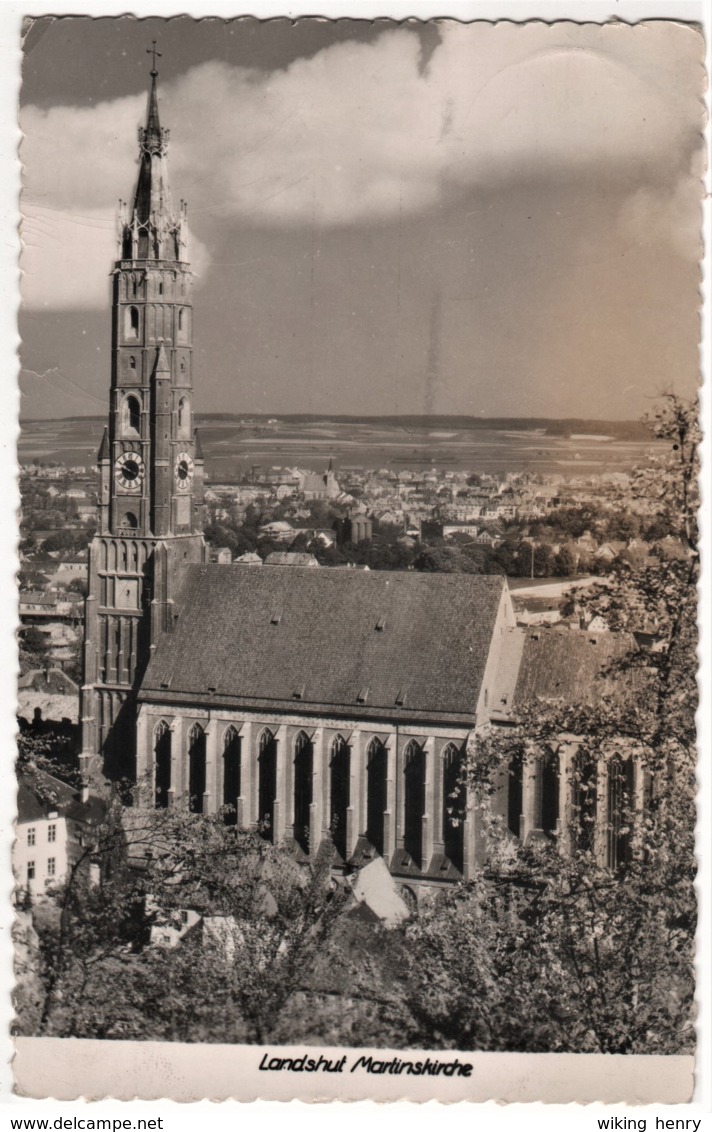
(53, 830)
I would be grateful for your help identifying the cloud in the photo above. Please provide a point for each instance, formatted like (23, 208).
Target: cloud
(360, 133)
(669, 216)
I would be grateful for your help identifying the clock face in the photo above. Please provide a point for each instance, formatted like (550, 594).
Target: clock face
(183, 471)
(129, 471)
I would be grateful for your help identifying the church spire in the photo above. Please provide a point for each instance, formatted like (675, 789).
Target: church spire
(153, 125)
(152, 133)
(153, 231)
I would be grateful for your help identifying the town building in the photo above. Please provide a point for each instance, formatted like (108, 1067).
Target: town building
(53, 831)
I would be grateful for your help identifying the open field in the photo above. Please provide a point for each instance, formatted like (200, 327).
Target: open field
(231, 447)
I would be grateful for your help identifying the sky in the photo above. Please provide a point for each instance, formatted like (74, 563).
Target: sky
(488, 219)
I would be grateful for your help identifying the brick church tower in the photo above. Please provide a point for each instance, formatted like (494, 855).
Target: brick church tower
(150, 463)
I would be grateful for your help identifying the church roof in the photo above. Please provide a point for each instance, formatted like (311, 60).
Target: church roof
(332, 642)
(577, 666)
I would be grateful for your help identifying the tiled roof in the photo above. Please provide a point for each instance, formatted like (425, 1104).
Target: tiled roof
(574, 665)
(40, 794)
(371, 645)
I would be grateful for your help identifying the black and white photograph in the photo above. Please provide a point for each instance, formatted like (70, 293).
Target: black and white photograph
(358, 558)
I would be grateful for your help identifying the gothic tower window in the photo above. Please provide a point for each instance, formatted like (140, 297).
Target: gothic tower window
(340, 773)
(196, 768)
(129, 521)
(231, 774)
(131, 416)
(414, 801)
(184, 418)
(162, 763)
(267, 777)
(376, 771)
(132, 322)
(132, 362)
(303, 782)
(453, 814)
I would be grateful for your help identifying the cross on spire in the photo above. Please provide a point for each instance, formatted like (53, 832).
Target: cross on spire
(154, 52)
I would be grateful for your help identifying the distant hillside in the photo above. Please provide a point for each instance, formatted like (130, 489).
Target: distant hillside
(619, 430)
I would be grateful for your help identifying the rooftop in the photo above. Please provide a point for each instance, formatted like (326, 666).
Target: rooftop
(375, 644)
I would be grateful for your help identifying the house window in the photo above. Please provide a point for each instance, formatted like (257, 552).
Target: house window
(51, 866)
(30, 870)
(31, 835)
(51, 832)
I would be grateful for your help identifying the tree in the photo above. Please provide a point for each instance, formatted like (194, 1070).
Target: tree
(101, 976)
(566, 562)
(47, 750)
(605, 954)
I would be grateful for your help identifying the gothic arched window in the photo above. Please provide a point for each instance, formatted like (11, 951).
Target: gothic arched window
(129, 521)
(620, 811)
(376, 772)
(547, 793)
(267, 779)
(340, 774)
(132, 322)
(232, 768)
(162, 763)
(303, 780)
(131, 416)
(414, 801)
(196, 768)
(132, 362)
(584, 801)
(454, 806)
(514, 794)
(184, 417)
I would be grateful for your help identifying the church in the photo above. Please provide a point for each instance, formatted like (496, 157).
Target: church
(320, 706)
